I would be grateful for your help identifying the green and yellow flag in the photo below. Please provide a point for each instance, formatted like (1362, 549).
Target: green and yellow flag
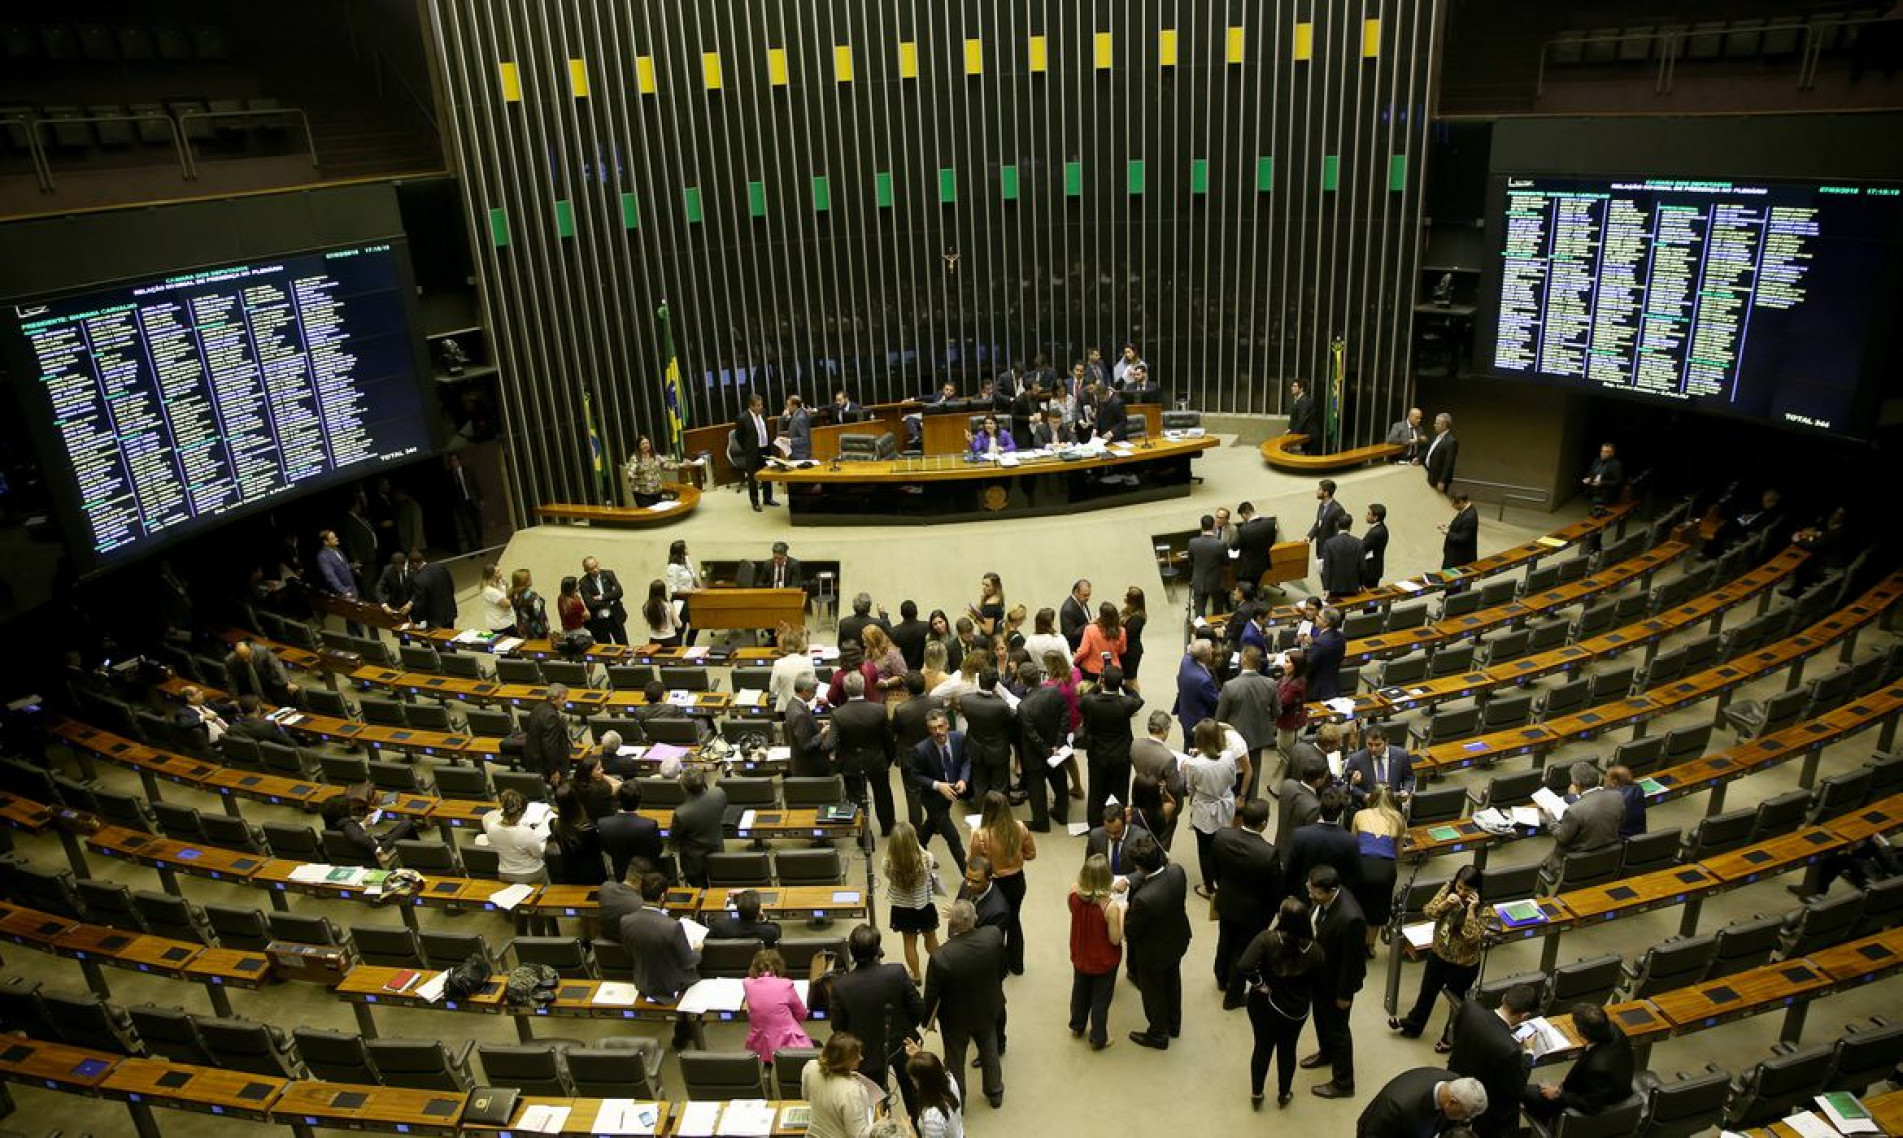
(1337, 374)
(594, 448)
(671, 386)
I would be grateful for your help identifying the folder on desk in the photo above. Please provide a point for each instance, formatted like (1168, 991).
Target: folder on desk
(1518, 914)
(491, 1106)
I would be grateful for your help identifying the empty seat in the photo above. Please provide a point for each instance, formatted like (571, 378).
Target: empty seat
(1507, 646)
(1882, 907)
(572, 673)
(387, 947)
(82, 1019)
(170, 1034)
(1744, 945)
(1674, 963)
(1504, 791)
(428, 856)
(1781, 814)
(1615, 1121)
(799, 952)
(50, 891)
(426, 1065)
(1401, 618)
(1451, 660)
(686, 679)
(617, 1068)
(467, 784)
(1498, 592)
(1547, 636)
(22, 1010)
(179, 823)
(344, 770)
(721, 1075)
(1720, 833)
(1822, 922)
(419, 658)
(382, 712)
(109, 903)
(724, 958)
(489, 722)
(1683, 1107)
(1540, 580)
(1443, 724)
(239, 928)
(1886, 775)
(1592, 620)
(518, 670)
(1839, 794)
(430, 717)
(1503, 712)
(1440, 804)
(532, 1068)
(750, 792)
(1685, 743)
(400, 777)
(529, 784)
(731, 870)
(1591, 980)
(629, 677)
(443, 951)
(1652, 850)
(798, 792)
(1612, 684)
(1778, 1085)
(1583, 868)
(335, 1056)
(230, 833)
(1459, 604)
(661, 793)
(304, 928)
(1565, 698)
(462, 665)
(1866, 1055)
(809, 867)
(680, 732)
(319, 701)
(1640, 755)
(172, 917)
(567, 955)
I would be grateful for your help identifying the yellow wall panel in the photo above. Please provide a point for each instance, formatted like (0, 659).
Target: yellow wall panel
(842, 62)
(578, 78)
(1371, 38)
(1166, 48)
(1040, 57)
(511, 78)
(1104, 52)
(710, 70)
(1238, 40)
(974, 56)
(1304, 41)
(908, 60)
(644, 75)
(776, 72)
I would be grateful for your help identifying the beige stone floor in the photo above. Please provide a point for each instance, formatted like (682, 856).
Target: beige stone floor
(1054, 1085)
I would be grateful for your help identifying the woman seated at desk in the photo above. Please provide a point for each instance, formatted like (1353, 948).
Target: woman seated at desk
(991, 439)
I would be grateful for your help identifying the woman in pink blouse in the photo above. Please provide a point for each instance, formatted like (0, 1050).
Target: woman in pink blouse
(774, 1008)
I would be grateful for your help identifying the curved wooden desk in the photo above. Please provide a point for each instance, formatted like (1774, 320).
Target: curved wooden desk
(945, 487)
(687, 496)
(1277, 454)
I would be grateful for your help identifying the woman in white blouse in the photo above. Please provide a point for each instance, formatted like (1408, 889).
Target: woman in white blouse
(794, 663)
(498, 612)
(520, 847)
(1217, 759)
(682, 582)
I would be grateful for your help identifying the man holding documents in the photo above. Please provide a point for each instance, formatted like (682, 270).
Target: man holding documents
(1587, 824)
(1487, 1048)
(665, 962)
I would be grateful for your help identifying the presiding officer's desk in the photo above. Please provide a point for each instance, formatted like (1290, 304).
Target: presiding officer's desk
(947, 487)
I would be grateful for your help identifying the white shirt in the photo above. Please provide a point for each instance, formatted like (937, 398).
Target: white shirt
(1435, 443)
(932, 1124)
(759, 424)
(497, 612)
(679, 578)
(786, 670)
(1037, 645)
(520, 849)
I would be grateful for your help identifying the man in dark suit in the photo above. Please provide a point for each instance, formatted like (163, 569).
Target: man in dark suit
(1326, 842)
(753, 442)
(1043, 725)
(980, 889)
(432, 592)
(1106, 713)
(665, 965)
(1111, 840)
(1156, 931)
(1380, 763)
(852, 629)
(781, 571)
(253, 669)
(393, 584)
(806, 739)
(465, 503)
(1254, 538)
(940, 768)
(909, 634)
(1249, 703)
(1605, 479)
(1342, 934)
(991, 728)
(863, 747)
(1248, 885)
(878, 1003)
(1300, 805)
(203, 721)
(1196, 691)
(1325, 651)
(1303, 417)
(964, 994)
(744, 923)
(1075, 614)
(1600, 1078)
(909, 729)
(601, 592)
(1327, 511)
(1441, 453)
(1591, 822)
(1421, 1103)
(1484, 1049)
(1340, 555)
(1374, 546)
(699, 826)
(251, 723)
(1462, 543)
(1243, 605)
(1208, 556)
(545, 748)
(844, 410)
(1155, 773)
(626, 835)
(1114, 424)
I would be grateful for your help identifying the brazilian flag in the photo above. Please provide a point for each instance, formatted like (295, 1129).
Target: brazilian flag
(594, 448)
(671, 386)
(1337, 375)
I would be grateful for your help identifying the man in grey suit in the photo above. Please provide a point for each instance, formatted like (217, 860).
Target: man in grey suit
(807, 739)
(1589, 823)
(1155, 766)
(1249, 704)
(863, 746)
(1207, 556)
(964, 994)
(665, 965)
(1301, 805)
(699, 826)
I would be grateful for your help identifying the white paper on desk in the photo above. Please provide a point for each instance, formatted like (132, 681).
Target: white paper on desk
(626, 1116)
(1058, 756)
(311, 873)
(746, 819)
(1847, 1113)
(633, 752)
(666, 504)
(1420, 935)
(698, 1119)
(1493, 820)
(779, 754)
(824, 652)
(1528, 816)
(1408, 586)
(681, 698)
(1341, 705)
(696, 932)
(713, 995)
(543, 1119)
(616, 993)
(1553, 804)
(506, 899)
(1808, 1125)
(506, 645)
(697, 652)
(1003, 460)
(466, 636)
(432, 988)
(1539, 1037)
(747, 1118)
(749, 697)
(1077, 829)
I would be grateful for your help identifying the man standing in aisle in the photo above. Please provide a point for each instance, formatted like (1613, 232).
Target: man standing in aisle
(334, 571)
(1441, 453)
(1156, 930)
(1207, 558)
(1107, 738)
(1342, 933)
(601, 592)
(863, 745)
(1254, 538)
(1327, 513)
(754, 444)
(1303, 418)
(1462, 544)
(1408, 435)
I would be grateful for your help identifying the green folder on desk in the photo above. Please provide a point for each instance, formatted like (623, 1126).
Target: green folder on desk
(1443, 833)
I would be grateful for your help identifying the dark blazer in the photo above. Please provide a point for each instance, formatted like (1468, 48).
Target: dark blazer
(1196, 694)
(1249, 703)
(393, 586)
(991, 725)
(994, 910)
(1097, 841)
(908, 722)
(1439, 458)
(1207, 557)
(802, 739)
(625, 837)
(1374, 555)
(1113, 419)
(698, 830)
(605, 594)
(616, 900)
(727, 927)
(664, 964)
(763, 574)
(1343, 937)
(1589, 824)
(1325, 515)
(435, 595)
(909, 635)
(747, 439)
(1320, 844)
(1106, 727)
(1325, 650)
(1484, 1049)
(1341, 564)
(1303, 419)
(874, 1000)
(924, 768)
(1405, 1108)
(1297, 807)
(1156, 925)
(1400, 771)
(964, 982)
(1071, 619)
(852, 646)
(1463, 539)
(265, 731)
(1248, 876)
(546, 748)
(1043, 721)
(862, 742)
(1253, 539)
(271, 674)
(1599, 1078)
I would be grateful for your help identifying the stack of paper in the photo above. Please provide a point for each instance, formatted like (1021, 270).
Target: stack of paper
(697, 1120)
(749, 697)
(779, 754)
(696, 932)
(1493, 820)
(507, 899)
(632, 752)
(1408, 586)
(1807, 1125)
(1058, 756)
(1539, 1037)
(666, 504)
(746, 820)
(614, 993)
(543, 1119)
(1552, 803)
(432, 988)
(1528, 816)
(746, 1118)
(506, 645)
(1420, 935)
(626, 1116)
(1341, 705)
(1847, 1113)
(697, 652)
(661, 752)
(681, 698)
(1078, 829)
(311, 873)
(714, 995)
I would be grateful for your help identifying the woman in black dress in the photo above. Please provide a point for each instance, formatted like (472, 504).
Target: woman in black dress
(1134, 618)
(1279, 970)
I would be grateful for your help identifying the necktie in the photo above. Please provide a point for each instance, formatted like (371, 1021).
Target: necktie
(779, 576)
(1116, 855)
(944, 759)
(461, 487)
(1381, 769)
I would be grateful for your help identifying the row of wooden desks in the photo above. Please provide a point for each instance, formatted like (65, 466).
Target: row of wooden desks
(1886, 1110)
(94, 946)
(1714, 772)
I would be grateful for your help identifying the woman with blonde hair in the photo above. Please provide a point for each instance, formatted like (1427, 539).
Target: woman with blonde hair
(794, 662)
(883, 657)
(1096, 948)
(531, 611)
(1378, 827)
(831, 1087)
(909, 876)
(1008, 844)
(936, 667)
(774, 1008)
